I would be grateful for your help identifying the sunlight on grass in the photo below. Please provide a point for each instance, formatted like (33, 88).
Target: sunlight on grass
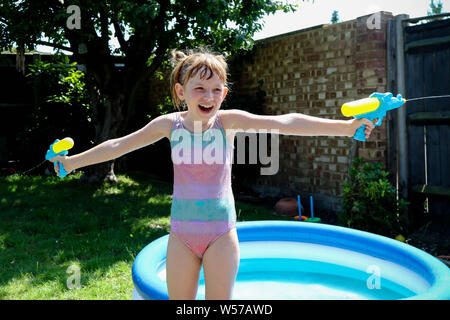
(114, 283)
(160, 199)
(146, 224)
(48, 224)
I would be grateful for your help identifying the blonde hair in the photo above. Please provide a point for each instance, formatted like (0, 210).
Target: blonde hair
(187, 67)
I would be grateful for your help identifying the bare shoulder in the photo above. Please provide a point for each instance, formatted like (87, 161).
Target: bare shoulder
(231, 118)
(163, 123)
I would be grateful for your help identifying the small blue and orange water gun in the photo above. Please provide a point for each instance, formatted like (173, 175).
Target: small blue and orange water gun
(59, 148)
(374, 107)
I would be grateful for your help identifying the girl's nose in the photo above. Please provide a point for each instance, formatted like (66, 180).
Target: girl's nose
(209, 94)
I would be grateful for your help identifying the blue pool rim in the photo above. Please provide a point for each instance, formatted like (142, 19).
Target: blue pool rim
(147, 262)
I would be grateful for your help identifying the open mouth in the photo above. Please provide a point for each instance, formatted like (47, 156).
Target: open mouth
(205, 109)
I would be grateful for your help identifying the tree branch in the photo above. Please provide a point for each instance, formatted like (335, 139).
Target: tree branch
(118, 33)
(54, 45)
(104, 27)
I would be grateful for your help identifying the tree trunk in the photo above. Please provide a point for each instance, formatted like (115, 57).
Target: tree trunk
(112, 94)
(100, 172)
(108, 118)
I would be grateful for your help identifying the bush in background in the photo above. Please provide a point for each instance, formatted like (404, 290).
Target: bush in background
(370, 201)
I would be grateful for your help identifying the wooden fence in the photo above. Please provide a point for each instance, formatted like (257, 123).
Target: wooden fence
(426, 73)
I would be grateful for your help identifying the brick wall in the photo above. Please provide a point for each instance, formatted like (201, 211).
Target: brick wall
(314, 71)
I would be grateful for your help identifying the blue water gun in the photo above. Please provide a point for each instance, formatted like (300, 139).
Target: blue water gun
(59, 148)
(374, 107)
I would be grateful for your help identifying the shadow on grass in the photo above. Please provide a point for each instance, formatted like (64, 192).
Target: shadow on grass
(48, 224)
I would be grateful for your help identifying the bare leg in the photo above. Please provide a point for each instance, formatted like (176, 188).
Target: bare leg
(220, 266)
(182, 270)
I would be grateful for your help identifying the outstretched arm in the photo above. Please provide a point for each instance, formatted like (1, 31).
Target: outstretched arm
(294, 124)
(114, 148)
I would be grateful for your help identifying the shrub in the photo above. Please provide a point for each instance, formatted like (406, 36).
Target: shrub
(61, 108)
(370, 201)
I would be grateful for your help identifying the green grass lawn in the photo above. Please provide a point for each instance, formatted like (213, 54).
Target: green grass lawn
(48, 225)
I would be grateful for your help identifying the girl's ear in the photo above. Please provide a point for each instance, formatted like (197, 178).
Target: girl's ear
(179, 90)
(224, 94)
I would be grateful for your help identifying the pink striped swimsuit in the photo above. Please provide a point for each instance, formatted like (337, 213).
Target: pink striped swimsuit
(203, 203)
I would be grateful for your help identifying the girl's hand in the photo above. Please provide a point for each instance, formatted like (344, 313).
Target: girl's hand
(356, 123)
(64, 160)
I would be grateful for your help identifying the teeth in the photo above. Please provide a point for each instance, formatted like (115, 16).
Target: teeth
(206, 107)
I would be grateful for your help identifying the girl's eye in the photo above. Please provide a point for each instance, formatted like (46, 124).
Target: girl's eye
(199, 88)
(218, 89)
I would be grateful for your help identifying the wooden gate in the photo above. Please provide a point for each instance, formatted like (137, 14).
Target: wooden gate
(426, 73)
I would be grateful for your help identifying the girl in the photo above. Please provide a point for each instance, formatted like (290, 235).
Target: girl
(203, 215)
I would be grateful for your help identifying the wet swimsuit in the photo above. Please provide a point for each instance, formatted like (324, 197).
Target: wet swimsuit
(203, 204)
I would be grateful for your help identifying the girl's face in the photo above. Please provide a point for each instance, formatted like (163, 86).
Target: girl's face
(202, 96)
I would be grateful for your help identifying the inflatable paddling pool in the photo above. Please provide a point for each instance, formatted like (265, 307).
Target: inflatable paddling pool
(297, 260)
